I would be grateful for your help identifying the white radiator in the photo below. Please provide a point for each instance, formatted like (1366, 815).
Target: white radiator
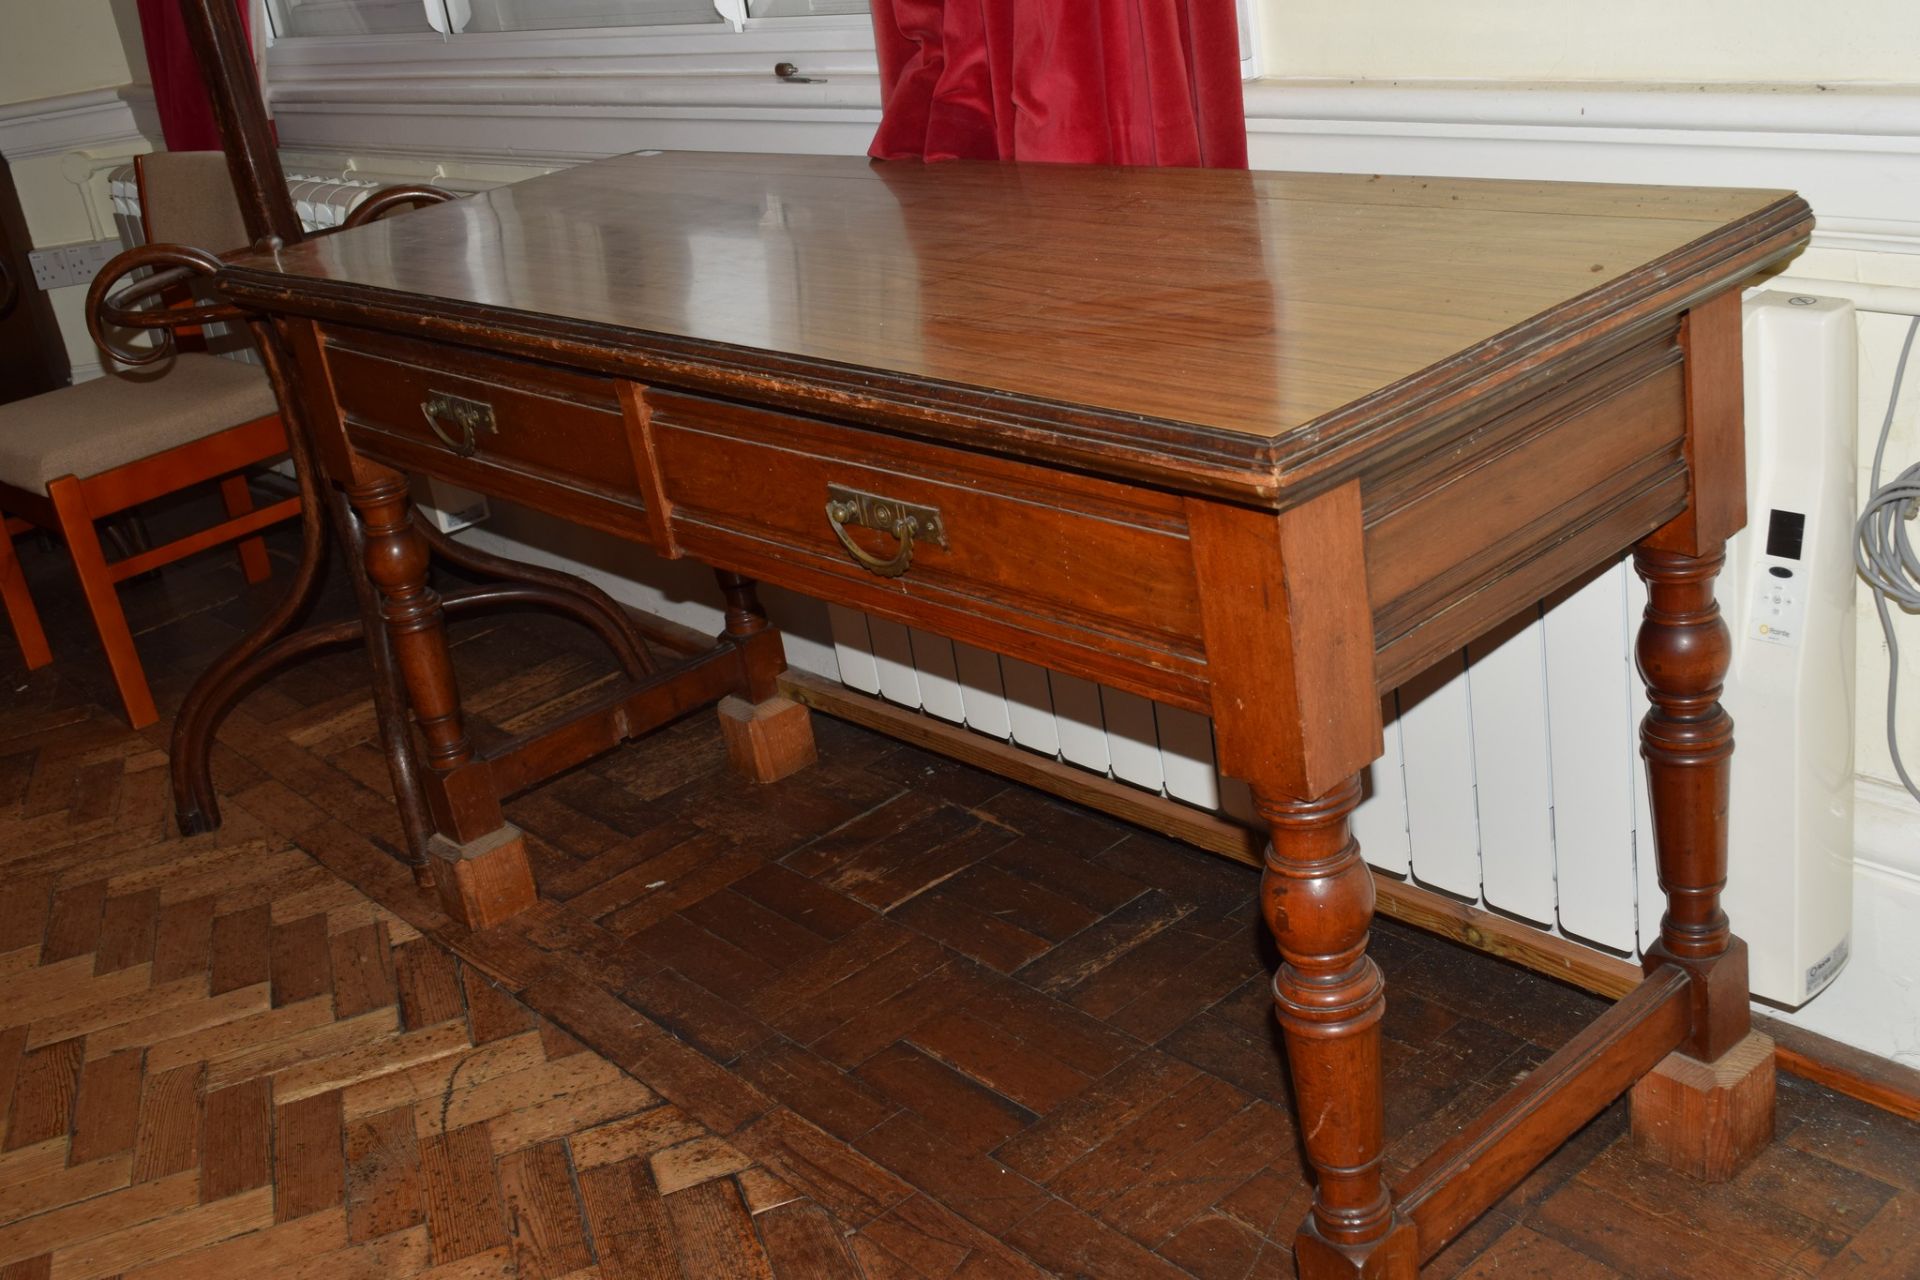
(321, 202)
(1512, 776)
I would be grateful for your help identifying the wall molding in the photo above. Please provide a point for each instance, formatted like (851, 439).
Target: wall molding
(95, 119)
(1885, 822)
(563, 97)
(1853, 151)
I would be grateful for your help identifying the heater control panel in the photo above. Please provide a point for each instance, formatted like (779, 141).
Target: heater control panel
(1778, 612)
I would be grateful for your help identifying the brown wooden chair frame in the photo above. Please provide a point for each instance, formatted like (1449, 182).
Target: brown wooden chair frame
(72, 505)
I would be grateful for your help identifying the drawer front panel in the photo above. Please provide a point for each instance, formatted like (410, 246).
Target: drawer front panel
(549, 437)
(1462, 539)
(1046, 565)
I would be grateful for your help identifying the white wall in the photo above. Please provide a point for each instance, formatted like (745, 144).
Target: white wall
(50, 49)
(1722, 41)
(73, 103)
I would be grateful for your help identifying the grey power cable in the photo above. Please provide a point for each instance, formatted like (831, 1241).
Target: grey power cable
(1884, 553)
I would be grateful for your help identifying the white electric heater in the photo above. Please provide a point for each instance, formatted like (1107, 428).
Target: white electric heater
(1788, 594)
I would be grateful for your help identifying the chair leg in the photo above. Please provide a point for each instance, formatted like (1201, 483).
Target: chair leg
(253, 551)
(103, 600)
(19, 605)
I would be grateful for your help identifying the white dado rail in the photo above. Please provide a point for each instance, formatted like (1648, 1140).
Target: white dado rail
(91, 133)
(1852, 150)
(61, 152)
(92, 120)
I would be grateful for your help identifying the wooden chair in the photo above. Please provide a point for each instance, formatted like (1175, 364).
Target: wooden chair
(74, 456)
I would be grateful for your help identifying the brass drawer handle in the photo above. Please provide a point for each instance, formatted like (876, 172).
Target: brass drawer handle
(471, 417)
(907, 522)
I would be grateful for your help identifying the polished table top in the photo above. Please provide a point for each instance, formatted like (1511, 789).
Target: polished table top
(1212, 330)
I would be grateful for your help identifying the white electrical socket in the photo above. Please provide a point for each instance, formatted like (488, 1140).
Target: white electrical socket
(59, 266)
(85, 260)
(49, 267)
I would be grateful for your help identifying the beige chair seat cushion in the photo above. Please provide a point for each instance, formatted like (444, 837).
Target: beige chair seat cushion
(120, 418)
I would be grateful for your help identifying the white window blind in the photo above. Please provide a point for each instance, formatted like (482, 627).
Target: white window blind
(803, 8)
(292, 18)
(346, 17)
(471, 16)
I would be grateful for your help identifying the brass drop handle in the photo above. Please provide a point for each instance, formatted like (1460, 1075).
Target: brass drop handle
(841, 514)
(470, 417)
(907, 522)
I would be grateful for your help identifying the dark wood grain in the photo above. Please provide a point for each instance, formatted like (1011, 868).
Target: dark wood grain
(385, 1188)
(220, 45)
(547, 1234)
(463, 1202)
(1716, 432)
(44, 1092)
(1315, 320)
(107, 1113)
(1262, 467)
(167, 1139)
(235, 1151)
(362, 962)
(309, 1164)
(550, 428)
(242, 954)
(629, 1223)
(1543, 1111)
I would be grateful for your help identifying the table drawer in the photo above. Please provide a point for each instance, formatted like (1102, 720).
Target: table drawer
(1049, 565)
(548, 437)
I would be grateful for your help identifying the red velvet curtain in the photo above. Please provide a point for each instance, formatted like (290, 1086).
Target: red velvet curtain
(1139, 82)
(186, 117)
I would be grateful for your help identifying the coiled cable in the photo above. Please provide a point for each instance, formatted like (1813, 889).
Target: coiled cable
(1883, 551)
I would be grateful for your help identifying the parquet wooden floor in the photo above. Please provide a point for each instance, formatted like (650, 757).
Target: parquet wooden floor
(889, 1018)
(224, 1061)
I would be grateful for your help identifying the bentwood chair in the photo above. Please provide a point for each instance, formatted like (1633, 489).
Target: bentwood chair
(71, 457)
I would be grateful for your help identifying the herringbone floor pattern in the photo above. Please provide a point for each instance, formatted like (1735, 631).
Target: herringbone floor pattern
(222, 1060)
(891, 1018)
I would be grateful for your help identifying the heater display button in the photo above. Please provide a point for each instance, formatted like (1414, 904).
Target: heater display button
(1778, 608)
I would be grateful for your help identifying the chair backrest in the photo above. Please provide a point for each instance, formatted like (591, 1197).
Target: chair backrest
(186, 197)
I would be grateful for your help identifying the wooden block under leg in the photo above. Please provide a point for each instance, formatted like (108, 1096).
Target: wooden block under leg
(1707, 1119)
(767, 741)
(484, 881)
(1395, 1256)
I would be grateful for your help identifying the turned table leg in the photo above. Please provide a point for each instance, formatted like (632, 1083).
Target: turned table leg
(482, 874)
(1296, 713)
(1707, 1109)
(769, 736)
(1317, 897)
